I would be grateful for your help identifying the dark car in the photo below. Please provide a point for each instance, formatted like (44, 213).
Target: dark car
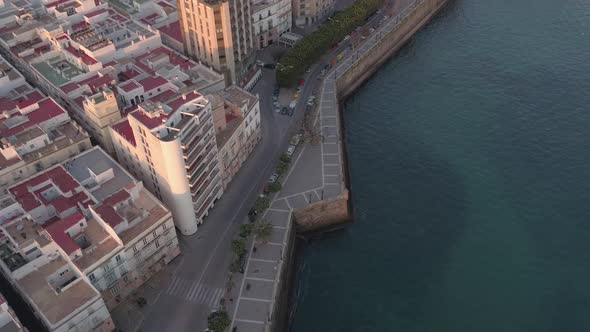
(270, 66)
(284, 111)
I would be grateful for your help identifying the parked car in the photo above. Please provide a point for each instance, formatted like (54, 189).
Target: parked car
(323, 72)
(291, 150)
(276, 91)
(270, 66)
(308, 70)
(276, 103)
(259, 63)
(273, 178)
(284, 111)
(291, 110)
(310, 101)
(293, 104)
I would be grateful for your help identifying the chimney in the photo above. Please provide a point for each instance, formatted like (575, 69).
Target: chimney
(183, 96)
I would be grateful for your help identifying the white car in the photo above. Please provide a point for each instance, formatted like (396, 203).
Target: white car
(273, 178)
(291, 150)
(259, 63)
(310, 100)
(293, 104)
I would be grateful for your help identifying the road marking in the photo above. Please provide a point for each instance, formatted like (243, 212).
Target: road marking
(331, 164)
(250, 321)
(331, 175)
(263, 260)
(271, 243)
(193, 291)
(330, 154)
(254, 299)
(260, 279)
(278, 210)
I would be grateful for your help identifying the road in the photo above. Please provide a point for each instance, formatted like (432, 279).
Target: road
(181, 298)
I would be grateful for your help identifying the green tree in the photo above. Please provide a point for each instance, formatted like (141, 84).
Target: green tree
(245, 230)
(263, 230)
(238, 247)
(274, 187)
(282, 167)
(262, 203)
(308, 50)
(218, 321)
(285, 158)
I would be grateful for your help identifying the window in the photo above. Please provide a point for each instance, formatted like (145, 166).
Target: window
(154, 233)
(134, 249)
(157, 244)
(115, 289)
(144, 241)
(81, 224)
(92, 277)
(125, 278)
(118, 258)
(164, 227)
(106, 267)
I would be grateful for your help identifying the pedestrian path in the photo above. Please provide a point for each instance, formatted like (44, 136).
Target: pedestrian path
(195, 292)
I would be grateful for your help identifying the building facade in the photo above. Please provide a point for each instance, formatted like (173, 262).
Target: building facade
(271, 18)
(220, 34)
(236, 116)
(308, 12)
(170, 145)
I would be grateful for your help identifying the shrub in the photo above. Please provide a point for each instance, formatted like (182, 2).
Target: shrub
(262, 203)
(282, 167)
(245, 230)
(238, 247)
(218, 321)
(285, 158)
(274, 187)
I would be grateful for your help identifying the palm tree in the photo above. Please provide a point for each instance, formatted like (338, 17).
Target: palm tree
(263, 230)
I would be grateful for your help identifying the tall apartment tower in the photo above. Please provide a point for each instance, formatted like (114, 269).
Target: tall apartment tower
(171, 146)
(219, 33)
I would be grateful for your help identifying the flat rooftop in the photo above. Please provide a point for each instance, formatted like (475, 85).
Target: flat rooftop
(98, 162)
(52, 305)
(58, 70)
(239, 97)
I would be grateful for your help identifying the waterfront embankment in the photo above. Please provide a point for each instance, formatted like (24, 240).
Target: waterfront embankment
(315, 192)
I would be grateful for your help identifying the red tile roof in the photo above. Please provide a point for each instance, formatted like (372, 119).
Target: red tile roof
(129, 86)
(152, 82)
(178, 102)
(172, 30)
(96, 12)
(147, 121)
(48, 109)
(109, 215)
(124, 129)
(58, 175)
(58, 229)
(81, 55)
(164, 96)
(117, 197)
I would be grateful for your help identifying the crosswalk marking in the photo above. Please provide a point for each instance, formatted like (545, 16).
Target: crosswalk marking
(195, 292)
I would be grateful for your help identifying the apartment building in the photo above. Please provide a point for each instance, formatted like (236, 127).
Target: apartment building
(220, 34)
(61, 297)
(270, 18)
(9, 322)
(35, 132)
(169, 143)
(308, 12)
(236, 116)
(83, 62)
(115, 233)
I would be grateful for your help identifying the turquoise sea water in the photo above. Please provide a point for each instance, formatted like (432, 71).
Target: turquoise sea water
(469, 157)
